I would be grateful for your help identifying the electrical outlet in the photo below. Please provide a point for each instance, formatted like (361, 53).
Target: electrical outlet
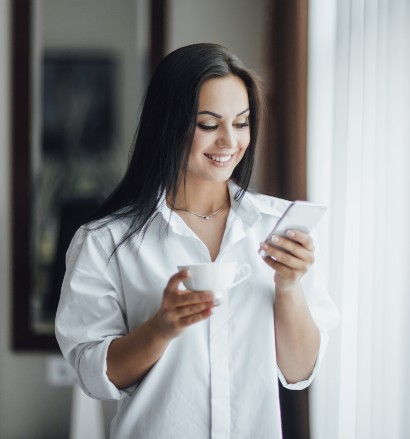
(58, 372)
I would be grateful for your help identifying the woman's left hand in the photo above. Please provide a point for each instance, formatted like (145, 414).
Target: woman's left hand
(290, 257)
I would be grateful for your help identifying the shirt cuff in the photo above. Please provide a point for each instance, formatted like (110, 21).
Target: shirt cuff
(91, 367)
(324, 339)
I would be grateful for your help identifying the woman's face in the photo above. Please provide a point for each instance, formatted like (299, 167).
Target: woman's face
(222, 131)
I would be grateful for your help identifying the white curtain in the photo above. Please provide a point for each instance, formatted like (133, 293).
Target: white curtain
(359, 164)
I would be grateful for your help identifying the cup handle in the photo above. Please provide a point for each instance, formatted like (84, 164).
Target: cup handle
(243, 267)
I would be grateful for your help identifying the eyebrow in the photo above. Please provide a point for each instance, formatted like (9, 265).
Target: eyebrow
(219, 116)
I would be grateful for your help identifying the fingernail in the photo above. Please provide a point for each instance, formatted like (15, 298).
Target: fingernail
(290, 234)
(264, 245)
(274, 238)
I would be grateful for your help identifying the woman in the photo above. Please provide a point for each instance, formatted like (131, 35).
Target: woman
(180, 366)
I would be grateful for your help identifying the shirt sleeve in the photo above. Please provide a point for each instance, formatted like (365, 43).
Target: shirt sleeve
(323, 310)
(91, 313)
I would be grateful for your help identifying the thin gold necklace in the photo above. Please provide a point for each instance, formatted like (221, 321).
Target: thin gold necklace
(205, 217)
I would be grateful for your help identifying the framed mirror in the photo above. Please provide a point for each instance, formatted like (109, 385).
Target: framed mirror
(79, 73)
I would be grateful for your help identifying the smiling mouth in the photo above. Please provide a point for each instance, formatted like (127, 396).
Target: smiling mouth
(220, 158)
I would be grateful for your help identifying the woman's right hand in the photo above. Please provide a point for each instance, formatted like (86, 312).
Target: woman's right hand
(182, 308)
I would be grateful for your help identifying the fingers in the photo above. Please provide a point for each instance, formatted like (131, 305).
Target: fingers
(290, 256)
(294, 240)
(290, 252)
(302, 238)
(196, 317)
(181, 308)
(184, 298)
(175, 280)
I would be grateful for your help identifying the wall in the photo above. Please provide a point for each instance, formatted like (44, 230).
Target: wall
(29, 408)
(239, 25)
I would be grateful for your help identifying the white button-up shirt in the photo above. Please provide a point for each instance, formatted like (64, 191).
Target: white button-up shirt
(218, 379)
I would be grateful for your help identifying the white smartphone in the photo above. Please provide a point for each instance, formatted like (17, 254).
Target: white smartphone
(300, 215)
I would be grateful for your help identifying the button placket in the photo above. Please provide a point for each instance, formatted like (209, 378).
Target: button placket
(220, 376)
(219, 349)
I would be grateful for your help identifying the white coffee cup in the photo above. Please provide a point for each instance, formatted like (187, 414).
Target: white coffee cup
(217, 277)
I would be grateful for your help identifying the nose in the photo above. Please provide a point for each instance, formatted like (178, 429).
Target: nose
(227, 138)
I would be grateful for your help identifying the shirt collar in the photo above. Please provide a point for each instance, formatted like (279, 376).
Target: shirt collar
(173, 220)
(250, 209)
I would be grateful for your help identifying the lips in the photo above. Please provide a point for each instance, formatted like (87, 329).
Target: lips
(220, 158)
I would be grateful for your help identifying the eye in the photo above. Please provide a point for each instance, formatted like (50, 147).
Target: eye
(241, 125)
(207, 127)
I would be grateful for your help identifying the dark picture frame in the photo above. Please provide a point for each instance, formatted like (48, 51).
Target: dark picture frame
(24, 338)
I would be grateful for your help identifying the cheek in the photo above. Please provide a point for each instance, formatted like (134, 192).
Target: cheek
(244, 141)
(200, 142)
(198, 147)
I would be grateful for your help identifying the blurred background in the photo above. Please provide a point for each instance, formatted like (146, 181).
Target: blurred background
(72, 78)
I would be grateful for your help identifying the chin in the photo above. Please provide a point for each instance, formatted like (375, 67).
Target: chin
(222, 178)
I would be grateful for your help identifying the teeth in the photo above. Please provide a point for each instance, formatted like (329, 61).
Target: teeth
(220, 159)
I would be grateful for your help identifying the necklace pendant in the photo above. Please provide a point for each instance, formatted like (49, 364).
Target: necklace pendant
(205, 217)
